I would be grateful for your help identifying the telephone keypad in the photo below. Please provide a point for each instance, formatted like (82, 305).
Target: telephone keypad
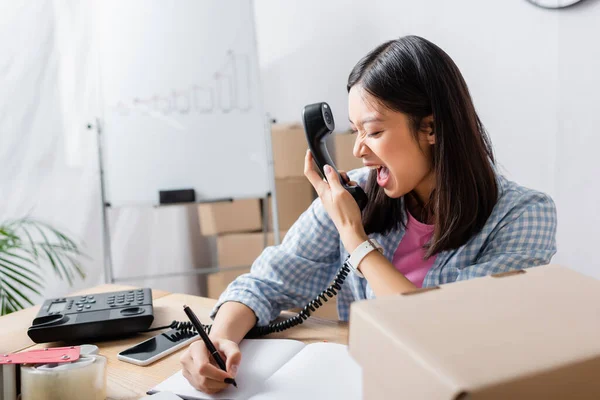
(99, 315)
(78, 304)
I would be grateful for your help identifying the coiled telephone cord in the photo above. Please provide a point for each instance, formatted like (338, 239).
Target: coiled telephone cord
(186, 328)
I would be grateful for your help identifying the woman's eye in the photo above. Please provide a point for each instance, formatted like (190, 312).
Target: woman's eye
(374, 134)
(353, 131)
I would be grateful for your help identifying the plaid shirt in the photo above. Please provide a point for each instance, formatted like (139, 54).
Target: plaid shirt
(520, 233)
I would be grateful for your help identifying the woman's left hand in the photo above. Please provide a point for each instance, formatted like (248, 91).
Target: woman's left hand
(338, 202)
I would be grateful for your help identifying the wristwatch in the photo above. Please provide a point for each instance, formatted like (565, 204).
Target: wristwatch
(360, 252)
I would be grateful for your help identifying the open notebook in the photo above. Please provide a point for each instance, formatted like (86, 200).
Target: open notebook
(283, 369)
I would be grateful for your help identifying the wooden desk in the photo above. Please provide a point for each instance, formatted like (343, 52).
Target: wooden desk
(128, 381)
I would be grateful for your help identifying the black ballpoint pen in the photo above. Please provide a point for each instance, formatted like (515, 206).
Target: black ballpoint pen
(209, 344)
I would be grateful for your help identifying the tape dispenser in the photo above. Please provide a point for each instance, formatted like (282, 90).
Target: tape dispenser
(65, 373)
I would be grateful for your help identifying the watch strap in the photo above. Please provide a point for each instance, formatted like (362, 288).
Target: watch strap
(360, 252)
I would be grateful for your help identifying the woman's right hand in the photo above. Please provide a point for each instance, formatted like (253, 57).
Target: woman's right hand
(200, 369)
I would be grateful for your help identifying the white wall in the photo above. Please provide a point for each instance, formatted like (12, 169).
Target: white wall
(533, 75)
(577, 167)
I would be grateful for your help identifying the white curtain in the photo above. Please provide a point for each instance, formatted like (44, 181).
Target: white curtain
(48, 157)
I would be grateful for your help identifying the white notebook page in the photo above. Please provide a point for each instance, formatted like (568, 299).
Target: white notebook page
(318, 371)
(260, 359)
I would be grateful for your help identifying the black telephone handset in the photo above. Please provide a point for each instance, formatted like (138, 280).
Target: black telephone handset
(318, 124)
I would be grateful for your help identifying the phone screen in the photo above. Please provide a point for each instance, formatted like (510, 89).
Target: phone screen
(156, 345)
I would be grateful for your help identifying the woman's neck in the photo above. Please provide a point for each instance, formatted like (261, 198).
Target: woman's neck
(420, 211)
(418, 202)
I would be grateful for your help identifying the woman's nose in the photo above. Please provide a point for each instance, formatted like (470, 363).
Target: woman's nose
(360, 149)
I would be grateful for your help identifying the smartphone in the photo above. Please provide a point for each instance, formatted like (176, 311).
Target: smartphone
(157, 347)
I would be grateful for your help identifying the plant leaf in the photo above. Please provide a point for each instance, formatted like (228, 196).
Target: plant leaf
(20, 270)
(66, 270)
(12, 297)
(25, 245)
(13, 304)
(55, 252)
(51, 259)
(47, 247)
(33, 247)
(20, 281)
(62, 238)
(2, 259)
(59, 253)
(76, 266)
(28, 260)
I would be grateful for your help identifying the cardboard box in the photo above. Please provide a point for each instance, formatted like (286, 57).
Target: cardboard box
(294, 196)
(344, 159)
(218, 282)
(533, 334)
(241, 249)
(236, 250)
(230, 216)
(289, 145)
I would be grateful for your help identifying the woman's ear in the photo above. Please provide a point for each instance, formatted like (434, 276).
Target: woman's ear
(427, 129)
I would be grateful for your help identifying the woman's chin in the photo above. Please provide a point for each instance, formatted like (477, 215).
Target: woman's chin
(391, 192)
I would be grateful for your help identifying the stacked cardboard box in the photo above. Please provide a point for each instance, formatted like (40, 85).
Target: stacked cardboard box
(344, 159)
(236, 250)
(230, 216)
(238, 225)
(223, 220)
(294, 196)
(230, 256)
(294, 192)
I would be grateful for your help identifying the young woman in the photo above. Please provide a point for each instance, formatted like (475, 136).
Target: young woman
(437, 207)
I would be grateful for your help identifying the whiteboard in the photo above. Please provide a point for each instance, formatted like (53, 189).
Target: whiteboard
(182, 109)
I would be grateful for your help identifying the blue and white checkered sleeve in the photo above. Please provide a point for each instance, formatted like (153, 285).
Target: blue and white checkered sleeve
(292, 273)
(526, 239)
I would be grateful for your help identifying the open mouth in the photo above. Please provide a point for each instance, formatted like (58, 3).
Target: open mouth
(383, 174)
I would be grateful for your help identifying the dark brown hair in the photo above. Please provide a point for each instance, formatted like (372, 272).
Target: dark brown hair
(413, 76)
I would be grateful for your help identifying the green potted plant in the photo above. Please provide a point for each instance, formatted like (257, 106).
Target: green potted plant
(26, 247)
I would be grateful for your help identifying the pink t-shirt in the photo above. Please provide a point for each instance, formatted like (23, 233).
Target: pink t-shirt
(408, 257)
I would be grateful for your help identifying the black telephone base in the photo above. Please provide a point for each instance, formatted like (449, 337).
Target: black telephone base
(99, 316)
